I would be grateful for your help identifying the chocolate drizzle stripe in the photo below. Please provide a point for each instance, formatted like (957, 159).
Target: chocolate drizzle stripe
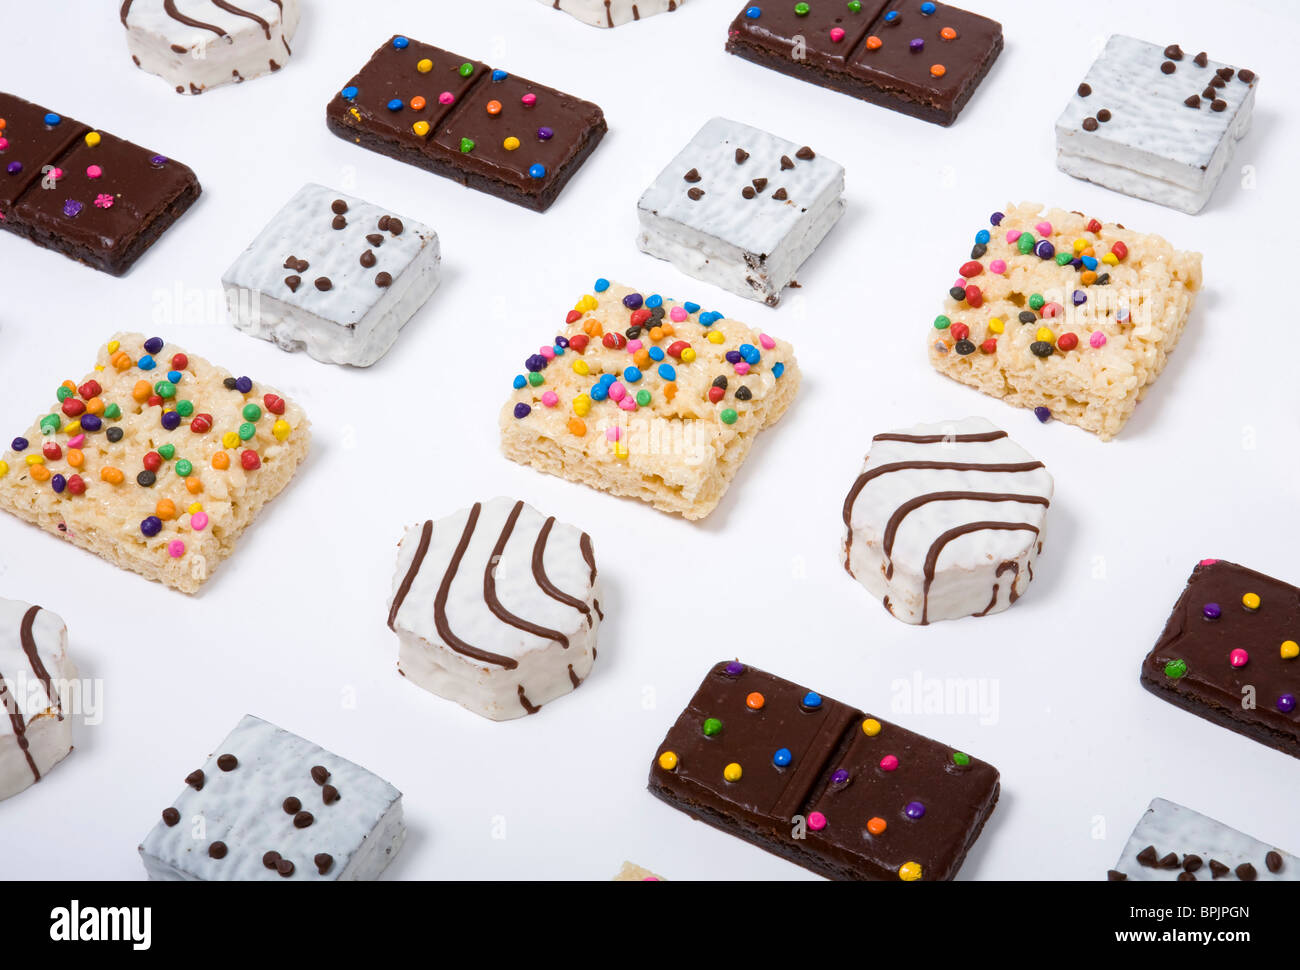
(937, 547)
(933, 439)
(34, 658)
(126, 9)
(1014, 567)
(523, 699)
(19, 725)
(574, 679)
(440, 605)
(170, 7)
(912, 504)
(416, 562)
(490, 586)
(968, 466)
(993, 601)
(544, 581)
(585, 545)
(241, 12)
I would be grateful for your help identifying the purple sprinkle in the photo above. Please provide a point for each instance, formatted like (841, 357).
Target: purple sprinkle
(633, 301)
(58, 483)
(72, 208)
(996, 218)
(536, 362)
(545, 134)
(90, 422)
(733, 356)
(1044, 249)
(244, 385)
(734, 669)
(19, 444)
(151, 526)
(562, 342)
(13, 168)
(1077, 263)
(916, 46)
(1079, 297)
(1043, 414)
(171, 420)
(153, 345)
(1286, 703)
(522, 410)
(840, 777)
(1211, 611)
(158, 161)
(914, 810)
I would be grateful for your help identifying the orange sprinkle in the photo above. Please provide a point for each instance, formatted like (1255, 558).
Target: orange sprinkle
(418, 103)
(111, 475)
(938, 70)
(755, 701)
(142, 390)
(592, 328)
(69, 385)
(641, 358)
(876, 825)
(1089, 252)
(193, 485)
(494, 107)
(122, 360)
(76, 458)
(670, 390)
(656, 333)
(221, 461)
(165, 509)
(1087, 277)
(2, 124)
(667, 328)
(577, 426)
(874, 43)
(39, 473)
(95, 405)
(948, 33)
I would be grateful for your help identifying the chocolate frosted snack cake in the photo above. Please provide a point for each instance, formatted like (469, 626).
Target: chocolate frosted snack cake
(1064, 314)
(1230, 653)
(156, 461)
(648, 398)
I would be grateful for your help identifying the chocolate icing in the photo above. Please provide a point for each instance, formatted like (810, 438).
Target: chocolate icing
(490, 583)
(440, 605)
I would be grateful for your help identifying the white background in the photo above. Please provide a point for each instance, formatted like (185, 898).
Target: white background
(292, 627)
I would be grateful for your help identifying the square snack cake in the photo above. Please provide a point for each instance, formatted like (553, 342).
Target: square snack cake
(1064, 314)
(270, 805)
(648, 398)
(156, 461)
(741, 209)
(613, 13)
(1155, 123)
(335, 276)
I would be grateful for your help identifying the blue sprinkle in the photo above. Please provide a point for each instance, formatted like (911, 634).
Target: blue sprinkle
(52, 119)
(559, 351)
(708, 318)
(599, 392)
(749, 353)
(522, 410)
(499, 75)
(602, 285)
(782, 757)
(667, 372)
(395, 104)
(691, 307)
(778, 369)
(537, 171)
(1042, 414)
(812, 699)
(891, 17)
(401, 43)
(146, 363)
(1089, 261)
(350, 92)
(656, 353)
(632, 375)
(654, 300)
(520, 381)
(753, 13)
(982, 237)
(153, 345)
(58, 483)
(607, 379)
(174, 376)
(927, 8)
(19, 444)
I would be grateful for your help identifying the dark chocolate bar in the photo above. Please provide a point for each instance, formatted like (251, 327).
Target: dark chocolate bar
(845, 794)
(84, 193)
(1229, 654)
(483, 128)
(923, 59)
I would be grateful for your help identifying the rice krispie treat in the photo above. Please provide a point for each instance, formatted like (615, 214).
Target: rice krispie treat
(156, 461)
(1064, 314)
(35, 674)
(648, 398)
(631, 872)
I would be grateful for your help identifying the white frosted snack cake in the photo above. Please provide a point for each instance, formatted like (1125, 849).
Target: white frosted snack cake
(195, 45)
(1064, 314)
(1158, 124)
(35, 674)
(946, 520)
(333, 275)
(631, 872)
(496, 607)
(269, 805)
(156, 461)
(1172, 843)
(613, 13)
(741, 209)
(648, 398)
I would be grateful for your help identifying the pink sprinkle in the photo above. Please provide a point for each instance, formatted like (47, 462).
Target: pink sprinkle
(633, 346)
(837, 34)
(547, 352)
(4, 143)
(550, 399)
(56, 173)
(742, 368)
(613, 434)
(650, 879)
(1043, 228)
(94, 171)
(77, 442)
(1239, 658)
(888, 763)
(529, 99)
(1098, 339)
(959, 282)
(1052, 309)
(617, 391)
(199, 521)
(1013, 235)
(766, 342)
(677, 314)
(998, 266)
(176, 548)
(103, 201)
(446, 98)
(1207, 562)
(628, 403)
(816, 821)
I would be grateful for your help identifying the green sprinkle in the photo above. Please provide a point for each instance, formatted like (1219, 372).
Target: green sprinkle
(941, 322)
(246, 431)
(643, 398)
(960, 758)
(1176, 669)
(466, 69)
(801, 9)
(184, 468)
(1025, 243)
(466, 145)
(728, 416)
(184, 408)
(51, 423)
(63, 393)
(536, 379)
(112, 412)
(168, 451)
(1063, 258)
(855, 6)
(1036, 301)
(252, 412)
(712, 726)
(165, 389)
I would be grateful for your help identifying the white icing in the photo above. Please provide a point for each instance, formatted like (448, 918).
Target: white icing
(751, 247)
(243, 808)
(210, 59)
(543, 663)
(1170, 827)
(355, 321)
(1154, 146)
(46, 721)
(600, 13)
(966, 579)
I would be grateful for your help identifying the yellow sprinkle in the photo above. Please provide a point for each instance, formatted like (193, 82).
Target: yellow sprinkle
(620, 450)
(281, 430)
(1110, 260)
(1080, 245)
(230, 440)
(424, 65)
(871, 727)
(510, 144)
(581, 403)
(909, 871)
(99, 367)
(354, 113)
(716, 337)
(72, 427)
(587, 303)
(580, 368)
(1290, 649)
(1045, 334)
(688, 355)
(668, 760)
(996, 325)
(92, 139)
(1250, 601)
(4, 468)
(421, 128)
(732, 772)
(113, 345)
(195, 508)
(35, 459)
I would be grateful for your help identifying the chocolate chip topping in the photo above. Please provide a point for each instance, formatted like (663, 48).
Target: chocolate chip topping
(760, 184)
(383, 223)
(1273, 861)
(338, 207)
(1218, 104)
(748, 192)
(171, 816)
(395, 226)
(271, 859)
(293, 282)
(693, 175)
(780, 194)
(303, 819)
(1186, 877)
(1104, 114)
(1245, 75)
(743, 393)
(383, 280)
(1226, 73)
(1193, 101)
(1218, 82)
(786, 163)
(1174, 52)
(227, 762)
(741, 155)
(720, 381)
(1147, 856)
(297, 265)
(695, 194)
(339, 222)
(1089, 124)
(1246, 872)
(1218, 868)
(195, 779)
(323, 862)
(284, 867)
(1201, 59)
(217, 850)
(1114, 875)
(1169, 861)
(368, 259)
(1191, 863)
(291, 805)
(805, 154)
(323, 283)
(1085, 90)
(229, 383)
(329, 794)
(1168, 67)
(375, 239)
(320, 774)
(1209, 93)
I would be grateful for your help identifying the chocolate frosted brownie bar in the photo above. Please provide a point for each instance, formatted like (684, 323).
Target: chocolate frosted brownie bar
(1229, 653)
(87, 194)
(922, 59)
(481, 127)
(820, 783)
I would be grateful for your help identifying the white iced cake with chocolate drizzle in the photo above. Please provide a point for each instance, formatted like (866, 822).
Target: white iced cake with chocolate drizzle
(270, 805)
(35, 676)
(496, 607)
(1158, 124)
(194, 45)
(613, 13)
(335, 276)
(946, 520)
(741, 209)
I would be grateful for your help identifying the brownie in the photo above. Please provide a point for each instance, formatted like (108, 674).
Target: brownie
(90, 195)
(845, 794)
(923, 59)
(1229, 653)
(479, 126)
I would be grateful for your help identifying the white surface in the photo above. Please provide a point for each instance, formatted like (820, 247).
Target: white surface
(292, 627)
